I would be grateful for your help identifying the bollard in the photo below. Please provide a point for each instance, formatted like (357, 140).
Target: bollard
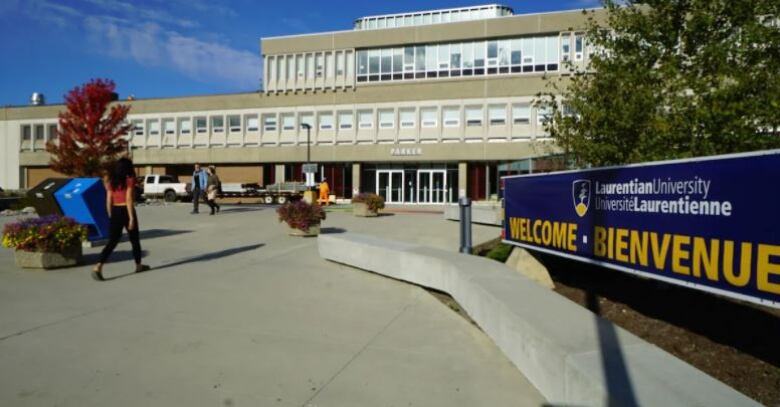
(465, 224)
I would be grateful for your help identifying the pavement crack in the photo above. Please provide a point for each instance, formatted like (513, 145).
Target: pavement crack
(356, 355)
(57, 322)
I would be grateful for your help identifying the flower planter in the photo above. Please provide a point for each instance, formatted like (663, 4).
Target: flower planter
(313, 230)
(361, 209)
(48, 260)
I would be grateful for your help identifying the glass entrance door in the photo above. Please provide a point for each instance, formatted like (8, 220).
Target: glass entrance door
(390, 185)
(432, 186)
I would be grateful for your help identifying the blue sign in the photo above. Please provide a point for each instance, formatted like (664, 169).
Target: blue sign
(84, 199)
(710, 223)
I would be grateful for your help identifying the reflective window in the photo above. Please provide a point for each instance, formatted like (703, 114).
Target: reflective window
(269, 122)
(169, 127)
(154, 127)
(201, 125)
(252, 124)
(365, 119)
(451, 116)
(386, 118)
(288, 121)
(326, 121)
(473, 116)
(428, 117)
(217, 124)
(521, 113)
(306, 118)
(346, 121)
(406, 116)
(497, 115)
(234, 124)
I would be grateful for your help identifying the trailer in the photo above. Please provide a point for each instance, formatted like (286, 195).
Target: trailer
(275, 193)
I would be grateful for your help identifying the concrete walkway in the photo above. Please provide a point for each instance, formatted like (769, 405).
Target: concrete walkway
(237, 313)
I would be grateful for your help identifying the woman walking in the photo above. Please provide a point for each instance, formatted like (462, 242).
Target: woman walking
(120, 201)
(212, 188)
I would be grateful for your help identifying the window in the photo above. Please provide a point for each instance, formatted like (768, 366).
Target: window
(39, 132)
(169, 127)
(516, 55)
(406, 117)
(288, 121)
(521, 113)
(234, 123)
(319, 60)
(408, 59)
(165, 179)
(468, 56)
(428, 117)
(326, 121)
(492, 53)
(497, 115)
(578, 47)
(329, 64)
(185, 126)
(252, 123)
(26, 133)
(217, 124)
(398, 62)
(386, 118)
(455, 56)
(430, 59)
(373, 65)
(346, 121)
(200, 125)
(565, 46)
(543, 115)
(299, 63)
(138, 127)
(479, 58)
(474, 116)
(366, 119)
(53, 133)
(451, 116)
(419, 59)
(306, 118)
(269, 122)
(503, 52)
(290, 68)
(444, 56)
(362, 68)
(340, 64)
(309, 66)
(154, 127)
(387, 64)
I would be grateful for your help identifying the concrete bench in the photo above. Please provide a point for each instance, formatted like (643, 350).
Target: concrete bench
(482, 213)
(571, 355)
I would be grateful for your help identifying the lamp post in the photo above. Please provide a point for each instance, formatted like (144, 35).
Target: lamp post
(307, 126)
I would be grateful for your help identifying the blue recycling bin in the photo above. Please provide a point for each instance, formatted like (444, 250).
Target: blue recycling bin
(84, 199)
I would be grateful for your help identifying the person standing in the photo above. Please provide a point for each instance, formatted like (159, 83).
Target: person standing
(212, 188)
(120, 201)
(324, 192)
(199, 179)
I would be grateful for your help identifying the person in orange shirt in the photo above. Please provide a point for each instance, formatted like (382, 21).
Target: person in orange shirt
(324, 192)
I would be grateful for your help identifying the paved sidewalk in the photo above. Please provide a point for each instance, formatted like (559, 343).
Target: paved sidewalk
(237, 313)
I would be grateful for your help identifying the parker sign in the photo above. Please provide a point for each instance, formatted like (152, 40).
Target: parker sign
(710, 223)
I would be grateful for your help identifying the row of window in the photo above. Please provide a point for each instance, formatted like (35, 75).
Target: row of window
(40, 131)
(364, 119)
(483, 57)
(432, 17)
(299, 67)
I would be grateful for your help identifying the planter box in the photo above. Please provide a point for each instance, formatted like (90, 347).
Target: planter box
(361, 209)
(47, 260)
(313, 230)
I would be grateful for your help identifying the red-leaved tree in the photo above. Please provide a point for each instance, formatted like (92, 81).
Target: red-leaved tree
(91, 137)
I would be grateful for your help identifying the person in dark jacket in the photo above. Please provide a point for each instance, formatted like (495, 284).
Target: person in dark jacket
(120, 201)
(213, 185)
(199, 178)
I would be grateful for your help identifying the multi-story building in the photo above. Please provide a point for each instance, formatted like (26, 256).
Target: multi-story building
(420, 107)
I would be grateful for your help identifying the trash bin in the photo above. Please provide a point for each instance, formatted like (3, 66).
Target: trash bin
(42, 196)
(84, 199)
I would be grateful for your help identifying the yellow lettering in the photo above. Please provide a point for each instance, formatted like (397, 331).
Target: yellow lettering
(537, 225)
(621, 245)
(702, 258)
(546, 233)
(743, 278)
(765, 268)
(659, 253)
(559, 234)
(679, 254)
(638, 248)
(610, 245)
(572, 237)
(599, 244)
(514, 228)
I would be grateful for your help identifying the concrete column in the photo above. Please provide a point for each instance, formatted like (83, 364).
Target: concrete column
(355, 178)
(463, 178)
(279, 173)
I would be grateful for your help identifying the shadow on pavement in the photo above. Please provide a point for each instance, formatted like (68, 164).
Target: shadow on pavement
(240, 210)
(116, 256)
(209, 256)
(326, 231)
(155, 233)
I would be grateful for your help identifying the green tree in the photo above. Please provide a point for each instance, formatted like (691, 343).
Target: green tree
(671, 79)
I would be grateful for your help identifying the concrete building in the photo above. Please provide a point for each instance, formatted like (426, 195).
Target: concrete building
(419, 107)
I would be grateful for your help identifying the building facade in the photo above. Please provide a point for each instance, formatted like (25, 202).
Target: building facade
(418, 107)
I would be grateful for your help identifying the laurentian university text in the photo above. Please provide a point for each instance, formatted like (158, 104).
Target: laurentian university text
(682, 204)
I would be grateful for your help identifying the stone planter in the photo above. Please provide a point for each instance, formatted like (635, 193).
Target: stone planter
(361, 209)
(47, 260)
(313, 230)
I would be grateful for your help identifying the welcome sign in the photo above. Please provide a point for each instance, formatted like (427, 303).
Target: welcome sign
(710, 223)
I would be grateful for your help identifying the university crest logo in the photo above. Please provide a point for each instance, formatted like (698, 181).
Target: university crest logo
(580, 192)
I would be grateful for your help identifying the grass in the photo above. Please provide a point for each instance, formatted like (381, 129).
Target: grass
(500, 252)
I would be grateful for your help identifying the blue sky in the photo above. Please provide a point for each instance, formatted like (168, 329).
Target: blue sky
(158, 48)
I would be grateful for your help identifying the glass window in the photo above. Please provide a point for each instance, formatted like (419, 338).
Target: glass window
(234, 123)
(138, 127)
(329, 65)
(451, 116)
(430, 58)
(406, 116)
(386, 118)
(473, 116)
(516, 58)
(444, 56)
(419, 58)
(200, 125)
(169, 126)
(398, 60)
(528, 51)
(345, 120)
(299, 63)
(455, 56)
(290, 67)
(543, 115)
(428, 117)
(373, 62)
(39, 131)
(521, 113)
(552, 52)
(497, 115)
(271, 68)
(479, 54)
(340, 64)
(53, 132)
(503, 53)
(319, 59)
(492, 49)
(436, 18)
(288, 121)
(380, 23)
(362, 61)
(154, 127)
(468, 55)
(309, 66)
(366, 119)
(326, 121)
(306, 118)
(565, 46)
(252, 123)
(26, 133)
(387, 61)
(445, 17)
(579, 46)
(426, 18)
(217, 124)
(185, 126)
(269, 122)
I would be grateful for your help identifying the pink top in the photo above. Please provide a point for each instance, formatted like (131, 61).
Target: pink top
(119, 196)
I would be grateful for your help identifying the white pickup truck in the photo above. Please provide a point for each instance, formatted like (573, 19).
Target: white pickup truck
(167, 187)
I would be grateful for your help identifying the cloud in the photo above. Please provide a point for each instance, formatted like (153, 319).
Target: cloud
(141, 14)
(152, 45)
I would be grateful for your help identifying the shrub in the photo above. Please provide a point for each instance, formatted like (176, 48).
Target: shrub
(51, 233)
(500, 253)
(300, 215)
(373, 201)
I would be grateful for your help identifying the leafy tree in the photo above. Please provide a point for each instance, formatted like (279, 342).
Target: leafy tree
(91, 136)
(671, 79)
